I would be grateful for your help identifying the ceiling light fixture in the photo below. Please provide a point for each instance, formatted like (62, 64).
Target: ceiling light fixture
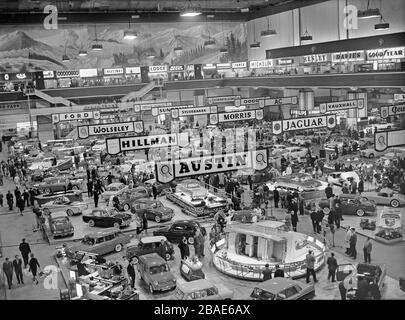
(210, 43)
(369, 12)
(65, 58)
(224, 48)
(178, 48)
(306, 36)
(255, 44)
(129, 34)
(190, 11)
(382, 25)
(96, 46)
(269, 32)
(82, 53)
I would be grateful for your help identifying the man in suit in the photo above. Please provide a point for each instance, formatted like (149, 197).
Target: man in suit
(8, 271)
(353, 242)
(131, 273)
(266, 273)
(17, 264)
(25, 251)
(276, 196)
(332, 266)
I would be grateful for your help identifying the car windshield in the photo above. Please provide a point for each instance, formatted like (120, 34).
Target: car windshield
(261, 294)
(61, 220)
(112, 188)
(159, 269)
(88, 240)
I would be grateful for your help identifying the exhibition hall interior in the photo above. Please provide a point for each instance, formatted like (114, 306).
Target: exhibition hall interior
(202, 150)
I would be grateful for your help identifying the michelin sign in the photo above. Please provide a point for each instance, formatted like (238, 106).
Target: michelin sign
(109, 128)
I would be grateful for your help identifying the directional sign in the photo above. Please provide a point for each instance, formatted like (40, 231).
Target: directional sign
(387, 111)
(278, 101)
(328, 121)
(72, 116)
(341, 105)
(236, 116)
(193, 111)
(386, 139)
(109, 128)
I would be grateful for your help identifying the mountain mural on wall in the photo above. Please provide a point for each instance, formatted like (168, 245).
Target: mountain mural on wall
(34, 48)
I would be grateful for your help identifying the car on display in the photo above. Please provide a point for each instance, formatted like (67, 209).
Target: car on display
(301, 141)
(57, 184)
(386, 197)
(153, 209)
(148, 245)
(372, 153)
(283, 289)
(161, 187)
(295, 152)
(192, 187)
(63, 203)
(129, 197)
(100, 242)
(99, 146)
(60, 224)
(179, 229)
(258, 176)
(114, 189)
(352, 204)
(100, 217)
(278, 149)
(245, 216)
(155, 272)
(72, 195)
(338, 178)
(301, 182)
(202, 289)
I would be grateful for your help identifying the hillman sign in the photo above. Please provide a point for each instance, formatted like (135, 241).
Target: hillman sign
(109, 128)
(328, 121)
(117, 145)
(72, 116)
(341, 105)
(387, 111)
(193, 111)
(167, 171)
(236, 116)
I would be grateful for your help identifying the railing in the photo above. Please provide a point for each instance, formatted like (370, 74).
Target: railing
(142, 92)
(47, 97)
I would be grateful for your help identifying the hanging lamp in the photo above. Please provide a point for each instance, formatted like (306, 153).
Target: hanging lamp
(255, 44)
(96, 46)
(269, 32)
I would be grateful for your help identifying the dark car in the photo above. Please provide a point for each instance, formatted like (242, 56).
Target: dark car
(160, 187)
(179, 229)
(129, 197)
(72, 195)
(149, 245)
(55, 184)
(153, 209)
(352, 204)
(107, 218)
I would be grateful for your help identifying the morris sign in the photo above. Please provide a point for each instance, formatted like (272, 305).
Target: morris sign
(341, 105)
(236, 116)
(73, 116)
(109, 128)
(328, 121)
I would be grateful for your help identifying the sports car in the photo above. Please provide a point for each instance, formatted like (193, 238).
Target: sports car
(352, 204)
(72, 195)
(338, 178)
(128, 198)
(114, 189)
(385, 196)
(283, 289)
(64, 204)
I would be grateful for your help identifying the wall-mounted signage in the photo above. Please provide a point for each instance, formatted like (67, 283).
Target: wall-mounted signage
(167, 171)
(101, 107)
(282, 62)
(113, 71)
(117, 145)
(168, 109)
(278, 101)
(226, 65)
(341, 105)
(348, 56)
(399, 96)
(48, 74)
(157, 69)
(390, 218)
(261, 64)
(193, 111)
(10, 106)
(387, 111)
(88, 73)
(328, 121)
(67, 73)
(315, 58)
(239, 65)
(72, 116)
(209, 66)
(176, 68)
(21, 76)
(109, 128)
(223, 99)
(386, 139)
(132, 70)
(236, 116)
(390, 53)
(14, 76)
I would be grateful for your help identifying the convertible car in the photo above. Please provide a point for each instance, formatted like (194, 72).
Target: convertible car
(202, 289)
(352, 204)
(129, 197)
(55, 184)
(283, 289)
(64, 204)
(386, 196)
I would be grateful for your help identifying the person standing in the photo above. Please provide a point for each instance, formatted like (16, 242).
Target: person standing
(96, 195)
(301, 205)
(197, 244)
(332, 266)
(294, 220)
(250, 182)
(287, 220)
(34, 266)
(26, 197)
(8, 271)
(310, 264)
(353, 187)
(1, 198)
(347, 240)
(17, 264)
(266, 273)
(313, 218)
(353, 242)
(361, 186)
(279, 273)
(202, 243)
(338, 211)
(328, 191)
(276, 196)
(21, 205)
(367, 248)
(154, 191)
(131, 273)
(184, 249)
(90, 188)
(25, 250)
(10, 200)
(145, 224)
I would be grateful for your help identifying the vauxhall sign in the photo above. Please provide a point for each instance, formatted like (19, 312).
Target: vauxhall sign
(341, 105)
(109, 128)
(73, 116)
(328, 121)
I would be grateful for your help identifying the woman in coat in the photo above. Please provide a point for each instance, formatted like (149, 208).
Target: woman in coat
(34, 266)
(348, 235)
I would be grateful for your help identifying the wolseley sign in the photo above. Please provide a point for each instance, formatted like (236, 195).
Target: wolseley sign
(236, 116)
(72, 116)
(387, 111)
(168, 109)
(109, 128)
(277, 101)
(223, 99)
(167, 171)
(328, 121)
(390, 53)
(117, 145)
(193, 111)
(341, 105)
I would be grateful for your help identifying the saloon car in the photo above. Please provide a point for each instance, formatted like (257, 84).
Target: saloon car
(351, 204)
(386, 197)
(64, 204)
(283, 289)
(202, 289)
(278, 149)
(149, 245)
(99, 217)
(100, 242)
(55, 184)
(338, 178)
(372, 153)
(60, 225)
(114, 189)
(153, 209)
(295, 152)
(179, 229)
(301, 141)
(129, 197)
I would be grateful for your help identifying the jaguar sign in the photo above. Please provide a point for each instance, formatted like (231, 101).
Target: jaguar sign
(328, 121)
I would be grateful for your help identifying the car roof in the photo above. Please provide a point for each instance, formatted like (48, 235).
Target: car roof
(277, 284)
(153, 239)
(195, 285)
(59, 214)
(102, 233)
(152, 259)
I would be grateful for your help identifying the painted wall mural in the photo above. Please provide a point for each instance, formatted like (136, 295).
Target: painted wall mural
(33, 48)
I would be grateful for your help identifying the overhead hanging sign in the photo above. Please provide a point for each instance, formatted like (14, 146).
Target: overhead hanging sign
(249, 101)
(150, 106)
(109, 128)
(113, 71)
(88, 73)
(386, 139)
(226, 65)
(236, 116)
(315, 58)
(261, 64)
(168, 109)
(10, 106)
(239, 65)
(117, 145)
(48, 74)
(193, 111)
(157, 69)
(282, 62)
(387, 111)
(298, 113)
(72, 116)
(341, 105)
(223, 99)
(348, 56)
(390, 53)
(278, 101)
(399, 96)
(328, 121)
(167, 171)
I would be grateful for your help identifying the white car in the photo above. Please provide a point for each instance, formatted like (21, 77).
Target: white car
(278, 149)
(295, 152)
(338, 178)
(114, 189)
(99, 146)
(372, 153)
(301, 141)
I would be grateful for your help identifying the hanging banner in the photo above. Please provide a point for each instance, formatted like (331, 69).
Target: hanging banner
(157, 69)
(239, 65)
(109, 128)
(386, 139)
(236, 116)
(168, 109)
(72, 116)
(390, 53)
(213, 100)
(169, 170)
(387, 111)
(341, 105)
(278, 101)
(117, 145)
(328, 121)
(399, 96)
(348, 56)
(390, 218)
(193, 111)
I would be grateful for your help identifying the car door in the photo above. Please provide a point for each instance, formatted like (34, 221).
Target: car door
(345, 206)
(107, 218)
(149, 210)
(97, 218)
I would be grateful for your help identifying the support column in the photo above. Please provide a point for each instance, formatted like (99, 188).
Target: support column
(301, 100)
(309, 99)
(351, 113)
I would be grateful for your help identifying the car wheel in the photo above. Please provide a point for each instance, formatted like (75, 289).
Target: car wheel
(151, 290)
(46, 211)
(168, 256)
(157, 219)
(91, 223)
(371, 156)
(126, 207)
(118, 247)
(116, 225)
(69, 212)
(360, 212)
(190, 240)
(47, 190)
(394, 203)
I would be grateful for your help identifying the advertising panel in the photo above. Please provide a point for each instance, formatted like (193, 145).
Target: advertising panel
(386, 139)
(328, 121)
(278, 101)
(341, 105)
(236, 116)
(109, 128)
(223, 99)
(158, 69)
(193, 111)
(72, 116)
(394, 110)
(390, 53)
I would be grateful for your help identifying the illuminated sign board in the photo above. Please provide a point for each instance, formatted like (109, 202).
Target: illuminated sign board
(88, 73)
(113, 71)
(67, 73)
(73, 116)
(387, 111)
(10, 106)
(131, 70)
(348, 56)
(399, 96)
(239, 65)
(390, 53)
(157, 69)
(341, 105)
(176, 68)
(315, 58)
(328, 121)
(261, 64)
(109, 128)
(48, 74)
